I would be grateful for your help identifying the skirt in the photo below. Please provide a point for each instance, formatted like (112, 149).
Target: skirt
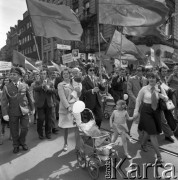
(150, 120)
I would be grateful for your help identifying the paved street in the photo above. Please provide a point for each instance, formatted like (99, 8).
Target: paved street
(46, 161)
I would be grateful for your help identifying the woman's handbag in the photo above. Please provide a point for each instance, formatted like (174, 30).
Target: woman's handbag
(170, 105)
(166, 105)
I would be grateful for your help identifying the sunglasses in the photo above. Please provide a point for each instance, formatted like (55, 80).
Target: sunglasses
(91, 70)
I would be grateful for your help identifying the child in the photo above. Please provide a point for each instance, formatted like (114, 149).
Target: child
(76, 82)
(118, 123)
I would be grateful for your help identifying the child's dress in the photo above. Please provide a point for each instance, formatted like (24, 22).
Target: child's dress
(119, 123)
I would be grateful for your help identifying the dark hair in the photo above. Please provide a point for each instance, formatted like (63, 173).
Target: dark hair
(160, 69)
(3, 83)
(66, 69)
(153, 75)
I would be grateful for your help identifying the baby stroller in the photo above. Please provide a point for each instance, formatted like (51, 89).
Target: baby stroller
(108, 106)
(94, 150)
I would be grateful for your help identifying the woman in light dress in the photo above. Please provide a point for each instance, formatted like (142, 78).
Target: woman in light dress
(66, 117)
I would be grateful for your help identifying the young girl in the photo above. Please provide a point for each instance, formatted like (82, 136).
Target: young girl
(118, 124)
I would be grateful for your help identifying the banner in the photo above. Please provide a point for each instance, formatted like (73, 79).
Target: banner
(4, 66)
(132, 12)
(51, 20)
(67, 58)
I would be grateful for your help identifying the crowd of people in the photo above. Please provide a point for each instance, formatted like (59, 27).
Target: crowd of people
(49, 98)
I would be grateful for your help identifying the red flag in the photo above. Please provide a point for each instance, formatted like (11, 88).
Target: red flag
(50, 20)
(128, 47)
(20, 59)
(132, 12)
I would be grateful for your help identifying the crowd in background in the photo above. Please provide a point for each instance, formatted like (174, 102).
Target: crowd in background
(53, 95)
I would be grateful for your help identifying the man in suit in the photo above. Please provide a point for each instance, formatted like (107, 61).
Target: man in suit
(44, 101)
(134, 84)
(16, 105)
(117, 84)
(90, 93)
(165, 127)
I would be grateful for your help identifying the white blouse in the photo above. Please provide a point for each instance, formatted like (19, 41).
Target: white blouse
(145, 93)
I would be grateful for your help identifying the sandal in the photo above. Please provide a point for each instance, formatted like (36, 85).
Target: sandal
(65, 147)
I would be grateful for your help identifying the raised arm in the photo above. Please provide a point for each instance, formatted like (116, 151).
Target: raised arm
(138, 101)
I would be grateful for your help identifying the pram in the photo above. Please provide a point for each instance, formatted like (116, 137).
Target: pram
(93, 154)
(108, 106)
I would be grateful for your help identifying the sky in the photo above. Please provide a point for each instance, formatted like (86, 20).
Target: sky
(10, 12)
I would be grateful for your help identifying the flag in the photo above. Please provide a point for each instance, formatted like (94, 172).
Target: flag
(50, 20)
(30, 66)
(132, 12)
(20, 59)
(128, 47)
(145, 31)
(59, 68)
(162, 64)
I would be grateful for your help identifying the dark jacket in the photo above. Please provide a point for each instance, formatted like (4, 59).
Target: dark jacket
(42, 95)
(16, 101)
(91, 100)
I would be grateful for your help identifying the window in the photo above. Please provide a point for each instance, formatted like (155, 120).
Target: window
(49, 55)
(87, 8)
(28, 25)
(45, 56)
(34, 48)
(76, 11)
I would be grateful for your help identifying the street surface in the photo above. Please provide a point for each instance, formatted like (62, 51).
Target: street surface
(45, 159)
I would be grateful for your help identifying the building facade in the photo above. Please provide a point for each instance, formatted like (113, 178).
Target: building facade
(11, 42)
(26, 39)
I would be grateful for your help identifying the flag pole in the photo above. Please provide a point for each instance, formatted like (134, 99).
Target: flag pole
(120, 55)
(99, 47)
(34, 37)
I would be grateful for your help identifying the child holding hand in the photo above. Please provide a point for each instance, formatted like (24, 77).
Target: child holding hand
(118, 124)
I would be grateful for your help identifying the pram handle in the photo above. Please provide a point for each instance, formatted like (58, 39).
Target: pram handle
(106, 135)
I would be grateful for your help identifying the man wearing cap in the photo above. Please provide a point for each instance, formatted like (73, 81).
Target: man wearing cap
(90, 92)
(16, 105)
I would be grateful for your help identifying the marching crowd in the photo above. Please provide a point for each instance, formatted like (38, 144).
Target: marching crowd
(50, 96)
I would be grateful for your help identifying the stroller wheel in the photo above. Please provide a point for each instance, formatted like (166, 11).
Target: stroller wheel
(93, 169)
(106, 115)
(81, 159)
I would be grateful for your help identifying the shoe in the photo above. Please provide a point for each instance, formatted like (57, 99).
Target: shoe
(144, 148)
(159, 162)
(48, 137)
(65, 147)
(41, 137)
(55, 131)
(24, 147)
(128, 156)
(169, 138)
(16, 150)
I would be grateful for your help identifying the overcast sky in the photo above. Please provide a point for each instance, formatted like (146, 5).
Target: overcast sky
(10, 12)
